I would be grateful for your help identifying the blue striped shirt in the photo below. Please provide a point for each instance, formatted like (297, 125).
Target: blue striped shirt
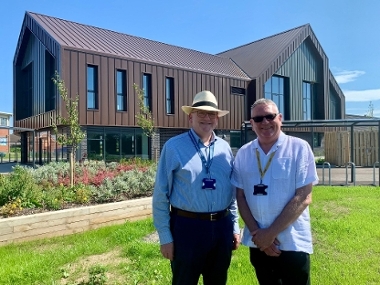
(179, 181)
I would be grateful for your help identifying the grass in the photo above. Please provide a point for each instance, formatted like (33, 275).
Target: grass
(345, 232)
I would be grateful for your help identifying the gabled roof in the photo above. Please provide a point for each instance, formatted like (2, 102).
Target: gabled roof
(71, 35)
(254, 58)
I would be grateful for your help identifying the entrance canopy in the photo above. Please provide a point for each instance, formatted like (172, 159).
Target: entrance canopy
(326, 125)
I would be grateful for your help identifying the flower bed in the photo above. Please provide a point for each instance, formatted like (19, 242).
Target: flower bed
(27, 190)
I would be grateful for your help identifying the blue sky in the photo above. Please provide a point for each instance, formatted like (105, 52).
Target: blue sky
(347, 30)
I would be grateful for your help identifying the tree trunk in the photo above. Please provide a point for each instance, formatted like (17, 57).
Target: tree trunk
(71, 168)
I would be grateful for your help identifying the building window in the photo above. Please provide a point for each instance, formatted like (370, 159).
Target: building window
(275, 91)
(237, 90)
(235, 139)
(306, 100)
(335, 112)
(121, 94)
(169, 91)
(114, 144)
(3, 122)
(92, 87)
(147, 88)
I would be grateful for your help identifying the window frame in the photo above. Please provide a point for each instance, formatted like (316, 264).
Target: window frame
(147, 90)
(94, 88)
(307, 107)
(121, 94)
(279, 96)
(169, 95)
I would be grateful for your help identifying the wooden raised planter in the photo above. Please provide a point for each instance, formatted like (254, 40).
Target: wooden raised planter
(70, 221)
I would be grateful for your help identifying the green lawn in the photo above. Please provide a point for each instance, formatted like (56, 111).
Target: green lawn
(346, 235)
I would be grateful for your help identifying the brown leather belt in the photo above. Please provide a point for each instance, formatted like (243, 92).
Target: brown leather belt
(201, 216)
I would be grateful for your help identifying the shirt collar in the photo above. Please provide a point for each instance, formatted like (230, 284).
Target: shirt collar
(278, 143)
(198, 139)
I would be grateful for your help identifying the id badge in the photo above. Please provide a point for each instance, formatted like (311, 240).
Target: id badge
(209, 184)
(259, 189)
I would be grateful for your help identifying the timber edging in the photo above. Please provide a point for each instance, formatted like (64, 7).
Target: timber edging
(70, 221)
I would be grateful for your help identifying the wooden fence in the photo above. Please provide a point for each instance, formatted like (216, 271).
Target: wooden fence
(338, 148)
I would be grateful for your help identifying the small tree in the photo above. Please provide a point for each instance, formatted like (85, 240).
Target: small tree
(144, 116)
(75, 135)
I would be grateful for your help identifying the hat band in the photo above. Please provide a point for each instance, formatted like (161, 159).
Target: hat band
(205, 103)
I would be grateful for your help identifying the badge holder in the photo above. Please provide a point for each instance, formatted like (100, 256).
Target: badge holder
(209, 184)
(259, 189)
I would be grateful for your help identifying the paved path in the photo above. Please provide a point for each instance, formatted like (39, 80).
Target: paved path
(6, 167)
(343, 176)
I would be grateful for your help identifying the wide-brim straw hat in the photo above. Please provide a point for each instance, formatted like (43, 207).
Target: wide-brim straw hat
(205, 101)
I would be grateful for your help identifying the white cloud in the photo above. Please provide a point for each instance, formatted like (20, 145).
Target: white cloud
(347, 76)
(362, 95)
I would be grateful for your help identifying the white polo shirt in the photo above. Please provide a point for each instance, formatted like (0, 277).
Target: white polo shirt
(292, 167)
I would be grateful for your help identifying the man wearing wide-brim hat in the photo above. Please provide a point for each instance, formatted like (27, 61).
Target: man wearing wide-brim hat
(194, 206)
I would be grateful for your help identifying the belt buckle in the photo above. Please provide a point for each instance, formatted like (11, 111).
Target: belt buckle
(213, 216)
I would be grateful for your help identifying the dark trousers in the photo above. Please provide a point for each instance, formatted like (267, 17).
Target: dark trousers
(201, 248)
(290, 268)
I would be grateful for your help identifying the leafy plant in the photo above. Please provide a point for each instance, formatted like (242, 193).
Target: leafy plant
(144, 116)
(319, 160)
(75, 135)
(11, 208)
(97, 275)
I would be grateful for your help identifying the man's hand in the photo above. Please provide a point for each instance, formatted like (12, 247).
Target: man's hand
(167, 250)
(236, 241)
(272, 250)
(263, 238)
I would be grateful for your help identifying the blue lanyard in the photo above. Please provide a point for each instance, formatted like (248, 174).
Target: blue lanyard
(200, 153)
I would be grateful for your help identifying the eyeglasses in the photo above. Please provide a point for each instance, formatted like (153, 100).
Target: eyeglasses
(203, 114)
(269, 117)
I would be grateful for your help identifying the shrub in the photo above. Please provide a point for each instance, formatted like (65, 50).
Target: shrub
(320, 160)
(19, 184)
(48, 187)
(11, 208)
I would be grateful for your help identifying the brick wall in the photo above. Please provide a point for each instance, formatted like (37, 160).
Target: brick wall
(4, 136)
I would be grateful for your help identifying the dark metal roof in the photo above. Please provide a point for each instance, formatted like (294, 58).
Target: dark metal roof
(84, 37)
(255, 57)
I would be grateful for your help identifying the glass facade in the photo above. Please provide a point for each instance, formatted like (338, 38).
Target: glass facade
(335, 112)
(235, 139)
(274, 90)
(113, 144)
(108, 144)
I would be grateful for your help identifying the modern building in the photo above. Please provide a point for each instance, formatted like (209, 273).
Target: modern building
(4, 132)
(101, 67)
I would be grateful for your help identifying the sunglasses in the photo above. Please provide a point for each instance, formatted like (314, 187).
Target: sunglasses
(269, 117)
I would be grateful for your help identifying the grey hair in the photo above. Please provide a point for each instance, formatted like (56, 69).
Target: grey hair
(263, 101)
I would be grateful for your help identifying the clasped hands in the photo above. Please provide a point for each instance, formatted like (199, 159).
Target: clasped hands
(264, 240)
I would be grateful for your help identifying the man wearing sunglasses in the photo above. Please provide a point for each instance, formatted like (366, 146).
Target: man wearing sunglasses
(274, 175)
(194, 205)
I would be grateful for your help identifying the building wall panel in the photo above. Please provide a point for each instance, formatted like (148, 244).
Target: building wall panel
(186, 84)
